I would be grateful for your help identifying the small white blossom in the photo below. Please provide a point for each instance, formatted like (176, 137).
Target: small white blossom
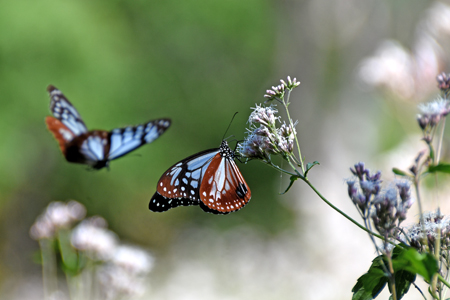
(264, 116)
(57, 215)
(437, 107)
(117, 283)
(133, 259)
(97, 241)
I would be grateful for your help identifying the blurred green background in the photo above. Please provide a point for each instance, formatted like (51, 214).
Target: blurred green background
(196, 62)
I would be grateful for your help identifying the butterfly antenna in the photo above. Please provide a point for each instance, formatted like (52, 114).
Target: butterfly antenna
(223, 138)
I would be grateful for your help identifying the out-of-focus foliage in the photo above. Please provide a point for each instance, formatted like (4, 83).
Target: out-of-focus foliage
(198, 62)
(121, 63)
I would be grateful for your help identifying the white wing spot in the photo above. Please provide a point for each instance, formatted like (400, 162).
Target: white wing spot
(204, 194)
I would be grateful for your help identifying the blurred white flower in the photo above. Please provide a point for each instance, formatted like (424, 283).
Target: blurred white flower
(410, 74)
(438, 19)
(92, 237)
(133, 259)
(116, 283)
(124, 275)
(57, 215)
(391, 67)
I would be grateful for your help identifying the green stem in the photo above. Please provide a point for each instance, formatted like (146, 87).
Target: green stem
(281, 170)
(392, 278)
(49, 276)
(439, 145)
(441, 279)
(285, 103)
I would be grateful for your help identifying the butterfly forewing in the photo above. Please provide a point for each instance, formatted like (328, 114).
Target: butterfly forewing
(64, 111)
(124, 140)
(183, 179)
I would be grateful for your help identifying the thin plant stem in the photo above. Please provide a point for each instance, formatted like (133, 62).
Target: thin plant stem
(440, 139)
(285, 103)
(391, 277)
(340, 211)
(49, 275)
(280, 169)
(441, 279)
(437, 248)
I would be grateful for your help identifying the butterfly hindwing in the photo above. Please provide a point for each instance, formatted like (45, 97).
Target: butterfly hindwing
(60, 131)
(160, 203)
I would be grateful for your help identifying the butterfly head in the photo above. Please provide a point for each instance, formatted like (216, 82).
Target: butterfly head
(225, 150)
(101, 164)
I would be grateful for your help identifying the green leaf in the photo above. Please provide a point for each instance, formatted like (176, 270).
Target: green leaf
(430, 148)
(310, 165)
(370, 284)
(443, 168)
(403, 280)
(293, 178)
(411, 260)
(373, 282)
(400, 172)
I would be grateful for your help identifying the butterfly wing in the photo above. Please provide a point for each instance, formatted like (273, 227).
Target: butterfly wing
(61, 132)
(124, 140)
(223, 189)
(65, 112)
(179, 185)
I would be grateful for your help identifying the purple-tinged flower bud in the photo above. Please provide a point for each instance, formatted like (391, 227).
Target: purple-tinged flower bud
(359, 170)
(404, 190)
(443, 81)
(423, 121)
(291, 83)
(352, 191)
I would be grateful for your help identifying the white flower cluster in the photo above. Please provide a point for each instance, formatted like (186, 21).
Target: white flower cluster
(120, 269)
(267, 139)
(434, 225)
(124, 275)
(56, 216)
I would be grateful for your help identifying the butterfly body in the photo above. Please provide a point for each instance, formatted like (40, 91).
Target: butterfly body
(96, 147)
(210, 179)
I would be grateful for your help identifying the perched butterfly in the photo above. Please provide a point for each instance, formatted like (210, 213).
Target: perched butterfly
(209, 178)
(96, 147)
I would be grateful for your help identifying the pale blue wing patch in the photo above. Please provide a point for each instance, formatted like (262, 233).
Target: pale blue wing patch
(93, 149)
(182, 180)
(124, 140)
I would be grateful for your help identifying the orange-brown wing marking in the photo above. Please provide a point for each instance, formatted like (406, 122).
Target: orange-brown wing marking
(62, 134)
(223, 187)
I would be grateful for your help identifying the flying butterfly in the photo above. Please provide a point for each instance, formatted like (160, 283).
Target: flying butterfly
(209, 178)
(96, 147)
